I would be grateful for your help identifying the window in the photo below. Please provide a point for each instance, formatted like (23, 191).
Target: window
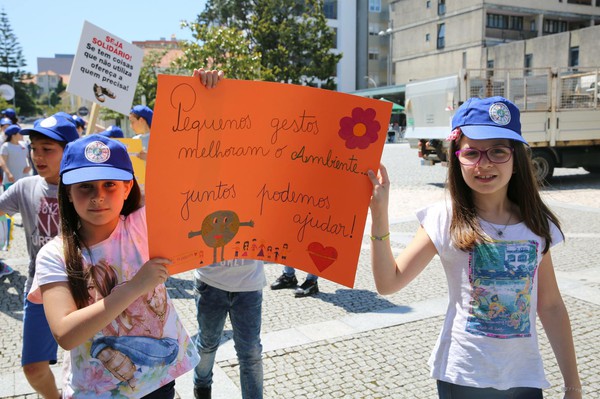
(374, 5)
(428, 4)
(330, 9)
(441, 7)
(574, 56)
(528, 64)
(516, 23)
(427, 37)
(554, 26)
(441, 36)
(583, 2)
(532, 26)
(497, 21)
(335, 37)
(373, 54)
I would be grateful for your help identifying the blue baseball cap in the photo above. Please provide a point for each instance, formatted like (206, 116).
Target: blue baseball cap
(56, 127)
(5, 121)
(79, 121)
(489, 118)
(12, 129)
(113, 131)
(144, 112)
(95, 157)
(9, 113)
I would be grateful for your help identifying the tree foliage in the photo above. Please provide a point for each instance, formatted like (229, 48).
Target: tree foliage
(11, 53)
(291, 37)
(219, 47)
(148, 80)
(11, 62)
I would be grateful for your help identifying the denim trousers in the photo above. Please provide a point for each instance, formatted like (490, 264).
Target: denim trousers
(448, 390)
(245, 311)
(290, 271)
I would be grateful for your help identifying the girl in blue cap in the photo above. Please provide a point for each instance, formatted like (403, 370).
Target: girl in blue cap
(493, 238)
(15, 164)
(110, 307)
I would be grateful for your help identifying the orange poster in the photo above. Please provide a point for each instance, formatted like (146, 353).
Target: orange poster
(261, 170)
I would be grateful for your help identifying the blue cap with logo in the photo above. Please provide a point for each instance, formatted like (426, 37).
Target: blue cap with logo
(95, 157)
(489, 118)
(143, 111)
(56, 127)
(113, 131)
(12, 129)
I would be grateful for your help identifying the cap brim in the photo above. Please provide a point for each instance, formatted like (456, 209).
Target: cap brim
(45, 132)
(484, 132)
(93, 173)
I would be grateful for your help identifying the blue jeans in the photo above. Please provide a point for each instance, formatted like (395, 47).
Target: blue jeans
(244, 309)
(447, 390)
(290, 271)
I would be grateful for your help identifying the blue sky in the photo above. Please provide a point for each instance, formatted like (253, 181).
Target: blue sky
(48, 27)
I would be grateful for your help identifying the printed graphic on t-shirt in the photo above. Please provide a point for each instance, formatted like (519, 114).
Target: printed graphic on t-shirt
(501, 276)
(134, 349)
(47, 221)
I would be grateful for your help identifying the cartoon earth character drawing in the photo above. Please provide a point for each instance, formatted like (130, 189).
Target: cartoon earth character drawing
(218, 229)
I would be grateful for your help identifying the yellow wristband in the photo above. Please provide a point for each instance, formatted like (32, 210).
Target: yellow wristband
(381, 238)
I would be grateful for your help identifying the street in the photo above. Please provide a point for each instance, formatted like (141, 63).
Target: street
(354, 343)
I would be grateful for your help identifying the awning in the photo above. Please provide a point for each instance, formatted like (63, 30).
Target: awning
(396, 108)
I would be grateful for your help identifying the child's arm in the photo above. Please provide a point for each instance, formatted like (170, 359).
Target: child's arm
(555, 319)
(71, 326)
(393, 274)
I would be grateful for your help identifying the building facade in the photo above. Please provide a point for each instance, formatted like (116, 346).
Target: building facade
(433, 38)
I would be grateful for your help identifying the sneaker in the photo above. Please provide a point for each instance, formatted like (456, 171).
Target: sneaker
(5, 269)
(308, 287)
(202, 393)
(284, 281)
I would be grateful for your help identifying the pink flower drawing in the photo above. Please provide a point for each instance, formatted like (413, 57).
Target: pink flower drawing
(361, 129)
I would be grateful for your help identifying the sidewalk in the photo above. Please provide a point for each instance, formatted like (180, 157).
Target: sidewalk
(354, 343)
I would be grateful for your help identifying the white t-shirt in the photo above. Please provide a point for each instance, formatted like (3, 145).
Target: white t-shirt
(146, 346)
(489, 336)
(238, 275)
(16, 160)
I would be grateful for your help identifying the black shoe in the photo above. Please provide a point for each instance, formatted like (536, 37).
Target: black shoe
(308, 287)
(202, 393)
(284, 281)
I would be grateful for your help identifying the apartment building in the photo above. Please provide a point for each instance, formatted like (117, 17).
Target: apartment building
(432, 38)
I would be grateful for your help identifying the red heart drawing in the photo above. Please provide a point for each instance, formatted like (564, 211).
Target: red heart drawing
(322, 256)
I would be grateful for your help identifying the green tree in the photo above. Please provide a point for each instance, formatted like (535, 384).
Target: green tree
(11, 62)
(292, 37)
(219, 47)
(11, 53)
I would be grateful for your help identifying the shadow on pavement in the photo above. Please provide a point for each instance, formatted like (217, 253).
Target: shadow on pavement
(179, 288)
(574, 181)
(356, 301)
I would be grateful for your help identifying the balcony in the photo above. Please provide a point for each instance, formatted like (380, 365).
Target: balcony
(509, 34)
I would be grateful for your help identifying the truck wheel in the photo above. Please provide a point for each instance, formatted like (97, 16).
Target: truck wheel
(543, 166)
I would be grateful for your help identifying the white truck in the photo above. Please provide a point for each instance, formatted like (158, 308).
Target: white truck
(560, 113)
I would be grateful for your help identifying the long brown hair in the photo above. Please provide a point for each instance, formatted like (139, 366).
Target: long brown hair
(73, 245)
(523, 190)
